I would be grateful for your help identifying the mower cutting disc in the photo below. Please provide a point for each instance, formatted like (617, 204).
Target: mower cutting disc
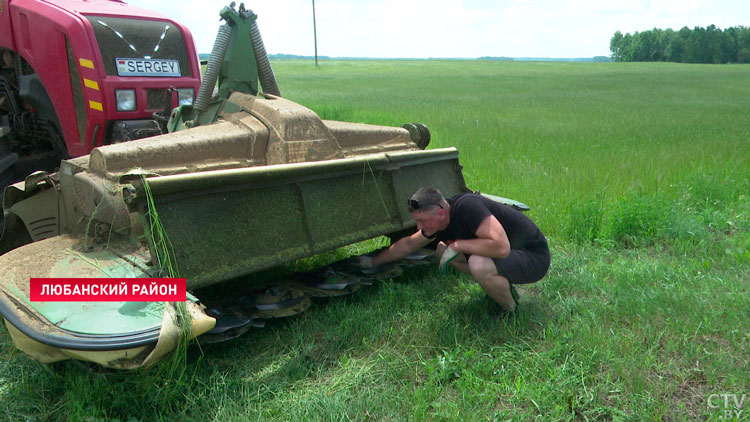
(326, 282)
(421, 257)
(381, 272)
(279, 300)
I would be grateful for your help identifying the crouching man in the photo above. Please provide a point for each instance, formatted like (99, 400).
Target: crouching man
(495, 243)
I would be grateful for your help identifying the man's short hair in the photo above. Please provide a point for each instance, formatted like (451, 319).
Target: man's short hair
(427, 198)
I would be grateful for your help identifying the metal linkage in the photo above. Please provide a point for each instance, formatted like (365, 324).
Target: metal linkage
(265, 71)
(212, 69)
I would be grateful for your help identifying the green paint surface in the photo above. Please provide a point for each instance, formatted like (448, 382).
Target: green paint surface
(100, 318)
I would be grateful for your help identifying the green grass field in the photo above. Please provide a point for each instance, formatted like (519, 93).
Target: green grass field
(638, 173)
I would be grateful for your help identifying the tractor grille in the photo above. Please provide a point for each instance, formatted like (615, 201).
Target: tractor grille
(156, 99)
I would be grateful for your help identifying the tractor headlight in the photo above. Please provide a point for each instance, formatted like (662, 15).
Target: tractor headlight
(125, 99)
(185, 96)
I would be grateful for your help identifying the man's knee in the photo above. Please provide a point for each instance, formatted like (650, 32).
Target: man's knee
(482, 266)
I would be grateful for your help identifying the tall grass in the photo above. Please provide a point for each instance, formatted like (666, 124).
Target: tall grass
(638, 173)
(550, 134)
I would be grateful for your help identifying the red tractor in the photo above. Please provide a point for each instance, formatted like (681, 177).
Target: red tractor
(77, 74)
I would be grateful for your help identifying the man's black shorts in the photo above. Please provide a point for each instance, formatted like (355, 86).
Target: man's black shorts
(524, 265)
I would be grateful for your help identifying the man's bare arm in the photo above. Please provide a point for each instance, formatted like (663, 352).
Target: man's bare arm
(403, 247)
(491, 241)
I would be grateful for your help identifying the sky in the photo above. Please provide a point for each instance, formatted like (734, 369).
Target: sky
(451, 29)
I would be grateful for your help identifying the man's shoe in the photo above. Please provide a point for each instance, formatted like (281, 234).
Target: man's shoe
(495, 309)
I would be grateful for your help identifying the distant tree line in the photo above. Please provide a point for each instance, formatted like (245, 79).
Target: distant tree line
(698, 45)
(547, 59)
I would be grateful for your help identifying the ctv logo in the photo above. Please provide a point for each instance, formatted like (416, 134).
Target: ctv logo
(731, 405)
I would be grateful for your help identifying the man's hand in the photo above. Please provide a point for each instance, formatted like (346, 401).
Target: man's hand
(449, 254)
(364, 262)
